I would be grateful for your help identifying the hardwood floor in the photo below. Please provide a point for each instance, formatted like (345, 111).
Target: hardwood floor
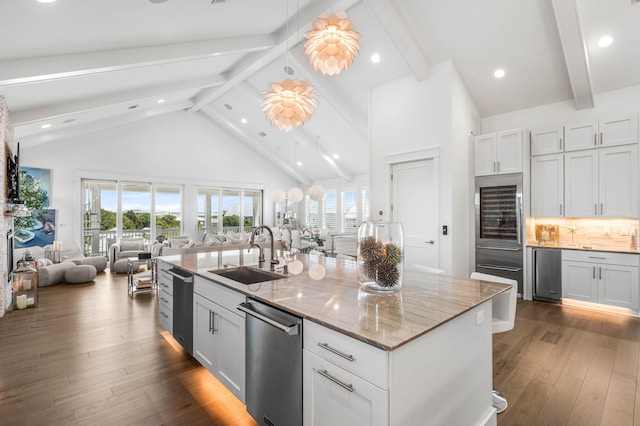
(90, 355)
(568, 366)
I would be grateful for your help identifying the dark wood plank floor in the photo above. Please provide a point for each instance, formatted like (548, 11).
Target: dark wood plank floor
(568, 366)
(91, 355)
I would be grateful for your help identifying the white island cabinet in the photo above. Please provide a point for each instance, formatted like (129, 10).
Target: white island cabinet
(441, 377)
(219, 334)
(165, 296)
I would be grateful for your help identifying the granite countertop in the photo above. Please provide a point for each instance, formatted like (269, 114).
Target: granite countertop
(387, 321)
(593, 247)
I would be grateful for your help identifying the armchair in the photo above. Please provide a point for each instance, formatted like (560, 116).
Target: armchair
(126, 247)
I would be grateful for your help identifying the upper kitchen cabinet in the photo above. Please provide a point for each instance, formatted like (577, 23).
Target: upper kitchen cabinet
(547, 185)
(601, 133)
(547, 141)
(602, 182)
(499, 153)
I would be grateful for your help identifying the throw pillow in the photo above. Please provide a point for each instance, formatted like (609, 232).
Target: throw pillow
(177, 242)
(131, 245)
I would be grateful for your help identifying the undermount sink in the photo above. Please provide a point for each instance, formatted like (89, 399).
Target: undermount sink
(247, 275)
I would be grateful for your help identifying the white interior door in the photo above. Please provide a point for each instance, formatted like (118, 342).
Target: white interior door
(414, 196)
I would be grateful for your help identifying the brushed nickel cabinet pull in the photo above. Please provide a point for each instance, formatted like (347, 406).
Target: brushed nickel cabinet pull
(595, 139)
(594, 272)
(324, 373)
(560, 144)
(337, 352)
(600, 138)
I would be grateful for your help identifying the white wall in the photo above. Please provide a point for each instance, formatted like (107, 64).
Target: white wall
(179, 147)
(618, 102)
(407, 116)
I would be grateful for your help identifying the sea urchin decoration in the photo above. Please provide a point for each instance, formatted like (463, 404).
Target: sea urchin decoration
(332, 44)
(289, 103)
(371, 249)
(388, 275)
(392, 254)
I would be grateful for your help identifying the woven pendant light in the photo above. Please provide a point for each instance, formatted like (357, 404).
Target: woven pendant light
(332, 44)
(289, 103)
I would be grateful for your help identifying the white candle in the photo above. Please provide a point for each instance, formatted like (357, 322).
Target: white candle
(26, 285)
(21, 301)
(57, 245)
(30, 301)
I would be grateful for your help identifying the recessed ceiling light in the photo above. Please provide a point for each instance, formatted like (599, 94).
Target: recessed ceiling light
(243, 120)
(45, 126)
(160, 101)
(299, 163)
(499, 73)
(375, 58)
(336, 156)
(46, 1)
(605, 41)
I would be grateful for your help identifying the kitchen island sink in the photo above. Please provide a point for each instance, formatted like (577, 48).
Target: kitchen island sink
(247, 275)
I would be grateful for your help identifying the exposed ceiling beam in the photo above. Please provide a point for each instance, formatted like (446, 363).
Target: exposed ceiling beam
(575, 51)
(253, 143)
(93, 126)
(336, 100)
(34, 70)
(391, 20)
(74, 108)
(301, 22)
(300, 135)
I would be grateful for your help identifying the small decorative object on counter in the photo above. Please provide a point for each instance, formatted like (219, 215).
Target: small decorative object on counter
(380, 256)
(25, 283)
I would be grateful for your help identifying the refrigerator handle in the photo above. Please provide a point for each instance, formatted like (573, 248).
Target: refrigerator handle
(519, 218)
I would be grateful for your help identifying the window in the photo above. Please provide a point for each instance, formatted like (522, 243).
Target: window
(313, 215)
(99, 227)
(208, 208)
(135, 211)
(330, 211)
(168, 208)
(366, 205)
(222, 210)
(349, 211)
(252, 210)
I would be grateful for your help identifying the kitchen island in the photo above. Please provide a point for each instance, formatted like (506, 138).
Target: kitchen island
(420, 356)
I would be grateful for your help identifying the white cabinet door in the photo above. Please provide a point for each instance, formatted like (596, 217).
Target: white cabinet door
(618, 176)
(618, 285)
(579, 281)
(205, 342)
(547, 141)
(485, 155)
(219, 343)
(619, 131)
(509, 151)
(581, 184)
(547, 185)
(332, 396)
(581, 136)
(231, 356)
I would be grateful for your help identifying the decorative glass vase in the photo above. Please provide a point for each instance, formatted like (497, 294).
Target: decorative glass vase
(380, 256)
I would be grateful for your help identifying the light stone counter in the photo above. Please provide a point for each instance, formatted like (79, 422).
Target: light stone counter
(387, 321)
(584, 247)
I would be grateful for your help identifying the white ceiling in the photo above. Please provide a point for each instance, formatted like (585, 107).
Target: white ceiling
(82, 65)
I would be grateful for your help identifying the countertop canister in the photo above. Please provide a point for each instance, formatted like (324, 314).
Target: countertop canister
(380, 256)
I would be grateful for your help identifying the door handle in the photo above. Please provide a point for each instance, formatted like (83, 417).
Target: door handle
(430, 242)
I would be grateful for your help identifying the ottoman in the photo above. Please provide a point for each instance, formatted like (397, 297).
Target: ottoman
(80, 274)
(54, 273)
(99, 262)
(121, 266)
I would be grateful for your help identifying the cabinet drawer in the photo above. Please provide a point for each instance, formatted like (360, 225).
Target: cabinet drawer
(165, 282)
(219, 294)
(165, 299)
(165, 318)
(601, 257)
(359, 358)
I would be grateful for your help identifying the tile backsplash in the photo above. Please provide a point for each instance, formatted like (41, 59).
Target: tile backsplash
(620, 233)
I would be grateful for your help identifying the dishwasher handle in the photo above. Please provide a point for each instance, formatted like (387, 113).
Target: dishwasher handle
(291, 330)
(184, 278)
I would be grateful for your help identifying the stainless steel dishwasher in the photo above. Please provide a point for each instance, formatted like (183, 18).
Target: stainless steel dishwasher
(274, 365)
(183, 308)
(547, 274)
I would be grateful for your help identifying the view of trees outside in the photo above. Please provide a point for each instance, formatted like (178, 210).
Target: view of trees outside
(233, 205)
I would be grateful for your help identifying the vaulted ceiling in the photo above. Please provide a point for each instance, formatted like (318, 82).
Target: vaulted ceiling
(81, 66)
